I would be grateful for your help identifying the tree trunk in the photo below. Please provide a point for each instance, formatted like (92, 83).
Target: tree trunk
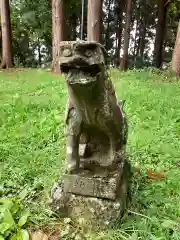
(7, 61)
(85, 27)
(57, 31)
(142, 38)
(119, 38)
(142, 29)
(136, 43)
(84, 24)
(0, 44)
(39, 52)
(176, 54)
(74, 25)
(127, 35)
(70, 24)
(160, 30)
(94, 20)
(119, 31)
(108, 22)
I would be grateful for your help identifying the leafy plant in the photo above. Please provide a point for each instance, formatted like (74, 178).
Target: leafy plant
(13, 218)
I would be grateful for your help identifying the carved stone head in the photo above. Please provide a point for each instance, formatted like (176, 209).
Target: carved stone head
(81, 61)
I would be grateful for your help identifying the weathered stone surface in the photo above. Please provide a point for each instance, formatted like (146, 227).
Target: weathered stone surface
(101, 160)
(91, 186)
(98, 211)
(82, 149)
(93, 109)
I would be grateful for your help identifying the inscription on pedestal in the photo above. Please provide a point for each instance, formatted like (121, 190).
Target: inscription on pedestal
(89, 186)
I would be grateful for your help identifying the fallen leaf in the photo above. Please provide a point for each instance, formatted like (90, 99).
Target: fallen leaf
(39, 235)
(154, 175)
(166, 170)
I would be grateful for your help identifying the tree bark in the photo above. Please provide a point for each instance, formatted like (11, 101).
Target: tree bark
(176, 54)
(39, 52)
(141, 40)
(0, 44)
(127, 35)
(160, 30)
(142, 29)
(119, 31)
(70, 24)
(136, 43)
(74, 25)
(108, 23)
(118, 50)
(94, 20)
(84, 24)
(7, 59)
(142, 37)
(57, 31)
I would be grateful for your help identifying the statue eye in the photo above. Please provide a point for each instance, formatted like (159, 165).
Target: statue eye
(89, 53)
(67, 53)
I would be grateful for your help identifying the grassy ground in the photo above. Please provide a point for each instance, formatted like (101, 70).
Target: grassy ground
(32, 145)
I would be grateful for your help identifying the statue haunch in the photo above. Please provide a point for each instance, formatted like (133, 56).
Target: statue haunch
(95, 119)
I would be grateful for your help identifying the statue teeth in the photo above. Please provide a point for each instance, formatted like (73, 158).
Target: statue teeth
(83, 80)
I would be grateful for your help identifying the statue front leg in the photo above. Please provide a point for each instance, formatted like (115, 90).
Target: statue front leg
(115, 134)
(72, 153)
(72, 148)
(125, 123)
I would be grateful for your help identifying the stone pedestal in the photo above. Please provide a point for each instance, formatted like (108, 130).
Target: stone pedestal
(96, 198)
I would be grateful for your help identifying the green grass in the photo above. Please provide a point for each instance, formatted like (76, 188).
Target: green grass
(32, 144)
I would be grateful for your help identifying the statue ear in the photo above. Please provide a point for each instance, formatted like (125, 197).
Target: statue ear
(106, 55)
(121, 102)
(104, 51)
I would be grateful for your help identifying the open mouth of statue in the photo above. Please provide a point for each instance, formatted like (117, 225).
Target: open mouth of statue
(81, 74)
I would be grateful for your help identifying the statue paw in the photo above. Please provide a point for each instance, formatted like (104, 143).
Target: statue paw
(72, 168)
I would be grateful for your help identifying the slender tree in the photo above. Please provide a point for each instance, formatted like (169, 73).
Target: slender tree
(137, 22)
(94, 20)
(142, 37)
(57, 31)
(7, 60)
(142, 29)
(160, 32)
(176, 54)
(127, 35)
(107, 32)
(119, 31)
(0, 43)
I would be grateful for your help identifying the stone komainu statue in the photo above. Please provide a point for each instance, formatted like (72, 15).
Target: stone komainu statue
(97, 183)
(96, 122)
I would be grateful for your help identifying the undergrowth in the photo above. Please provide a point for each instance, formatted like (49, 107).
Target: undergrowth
(32, 149)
